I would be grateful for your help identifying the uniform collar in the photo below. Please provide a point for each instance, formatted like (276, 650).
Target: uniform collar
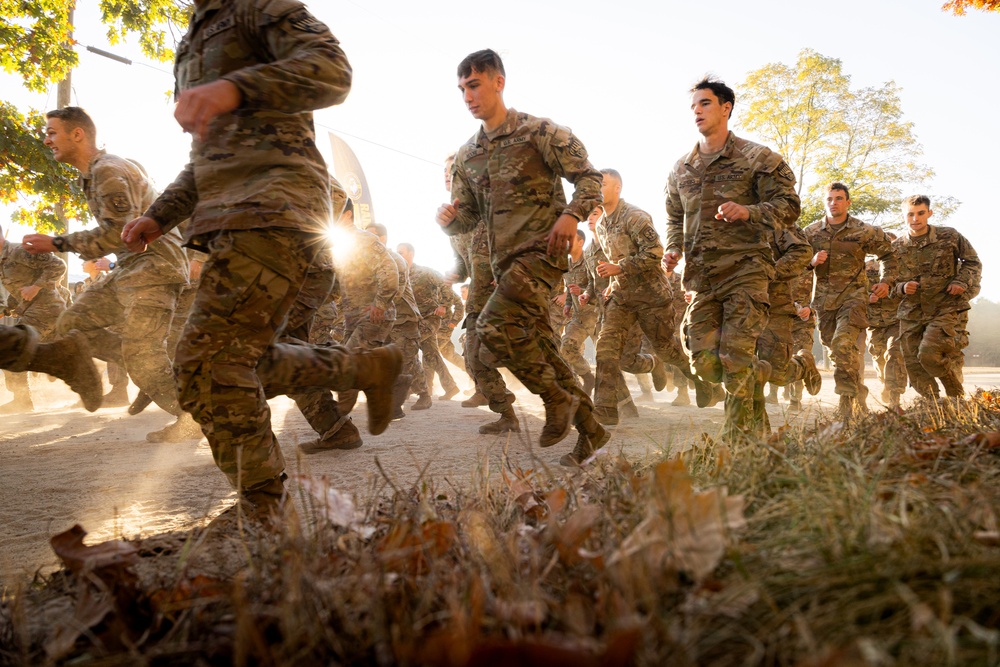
(930, 236)
(850, 222)
(694, 157)
(84, 178)
(509, 125)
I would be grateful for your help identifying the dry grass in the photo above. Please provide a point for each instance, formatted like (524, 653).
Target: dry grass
(870, 545)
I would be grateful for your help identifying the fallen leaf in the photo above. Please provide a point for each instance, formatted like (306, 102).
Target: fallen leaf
(78, 557)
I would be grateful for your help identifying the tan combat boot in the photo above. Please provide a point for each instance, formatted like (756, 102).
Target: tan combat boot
(475, 401)
(377, 371)
(585, 446)
(342, 435)
(812, 379)
(660, 374)
(422, 403)
(506, 424)
(560, 409)
(69, 359)
(184, 428)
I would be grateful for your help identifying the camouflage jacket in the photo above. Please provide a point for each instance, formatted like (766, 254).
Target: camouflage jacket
(366, 274)
(596, 285)
(882, 313)
(119, 190)
(677, 285)
(472, 262)
(939, 258)
(717, 252)
(802, 289)
(791, 254)
(842, 278)
(629, 240)
(258, 166)
(428, 289)
(577, 275)
(455, 309)
(511, 178)
(19, 269)
(406, 305)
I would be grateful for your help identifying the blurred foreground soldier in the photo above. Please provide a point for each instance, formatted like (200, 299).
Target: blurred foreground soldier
(472, 261)
(724, 199)
(117, 396)
(249, 72)
(31, 282)
(841, 243)
(509, 175)
(639, 294)
(939, 273)
(67, 358)
(138, 297)
(430, 293)
(884, 343)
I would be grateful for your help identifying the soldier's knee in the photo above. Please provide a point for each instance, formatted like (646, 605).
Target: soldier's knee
(707, 365)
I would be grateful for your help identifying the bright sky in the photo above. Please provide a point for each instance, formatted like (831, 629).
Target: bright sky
(616, 73)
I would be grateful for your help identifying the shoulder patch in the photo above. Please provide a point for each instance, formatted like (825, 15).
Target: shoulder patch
(576, 148)
(650, 234)
(219, 26)
(119, 202)
(785, 171)
(303, 21)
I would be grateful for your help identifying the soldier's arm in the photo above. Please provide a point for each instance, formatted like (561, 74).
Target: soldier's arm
(675, 217)
(459, 246)
(779, 203)
(971, 272)
(116, 205)
(795, 253)
(567, 157)
(50, 268)
(177, 202)
(308, 69)
(648, 251)
(467, 216)
(880, 245)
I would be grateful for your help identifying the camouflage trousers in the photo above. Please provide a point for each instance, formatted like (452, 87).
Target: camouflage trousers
(840, 329)
(41, 315)
(143, 315)
(515, 327)
(776, 346)
(184, 301)
(318, 406)
(637, 359)
(485, 375)
(430, 330)
(446, 348)
(328, 325)
(406, 335)
(584, 324)
(228, 362)
(17, 347)
(886, 348)
(934, 349)
(720, 335)
(803, 334)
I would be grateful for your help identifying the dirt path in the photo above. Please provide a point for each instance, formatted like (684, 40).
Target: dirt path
(61, 465)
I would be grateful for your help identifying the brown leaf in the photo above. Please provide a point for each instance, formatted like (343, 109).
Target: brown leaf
(484, 544)
(78, 557)
(988, 440)
(990, 538)
(571, 535)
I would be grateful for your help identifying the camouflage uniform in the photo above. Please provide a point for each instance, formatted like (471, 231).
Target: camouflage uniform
(776, 345)
(258, 195)
(139, 296)
(328, 322)
(884, 343)
(511, 179)
(803, 331)
(19, 269)
(430, 292)
(680, 307)
(368, 276)
(583, 318)
(728, 264)
(406, 328)
(453, 317)
(931, 321)
(472, 253)
(17, 347)
(840, 296)
(639, 294)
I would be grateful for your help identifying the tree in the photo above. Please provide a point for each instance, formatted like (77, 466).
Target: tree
(828, 131)
(36, 44)
(958, 7)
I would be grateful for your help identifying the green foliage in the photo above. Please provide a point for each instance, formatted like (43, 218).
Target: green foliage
(36, 44)
(32, 172)
(828, 131)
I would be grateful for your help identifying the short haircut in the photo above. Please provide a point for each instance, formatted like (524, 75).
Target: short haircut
(409, 248)
(580, 235)
(613, 173)
(723, 92)
(486, 61)
(837, 185)
(917, 200)
(451, 157)
(378, 229)
(75, 117)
